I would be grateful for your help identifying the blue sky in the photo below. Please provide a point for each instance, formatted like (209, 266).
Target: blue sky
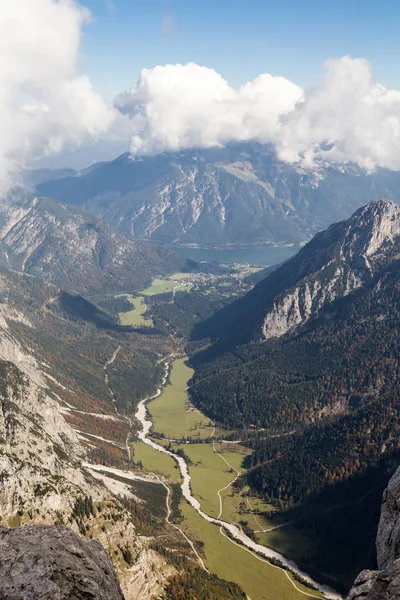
(238, 38)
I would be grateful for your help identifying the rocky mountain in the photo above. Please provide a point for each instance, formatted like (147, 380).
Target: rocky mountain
(54, 562)
(237, 195)
(337, 261)
(75, 250)
(384, 584)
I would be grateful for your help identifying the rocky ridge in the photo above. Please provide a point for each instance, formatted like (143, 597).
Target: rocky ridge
(384, 584)
(337, 261)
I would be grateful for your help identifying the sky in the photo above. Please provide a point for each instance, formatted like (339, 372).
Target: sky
(319, 80)
(238, 38)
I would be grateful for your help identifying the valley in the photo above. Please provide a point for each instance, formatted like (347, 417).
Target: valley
(166, 384)
(199, 300)
(219, 554)
(181, 432)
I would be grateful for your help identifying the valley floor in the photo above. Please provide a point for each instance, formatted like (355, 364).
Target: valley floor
(213, 467)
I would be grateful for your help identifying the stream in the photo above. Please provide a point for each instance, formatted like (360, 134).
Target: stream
(233, 530)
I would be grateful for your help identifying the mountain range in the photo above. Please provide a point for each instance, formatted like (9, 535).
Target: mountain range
(303, 368)
(239, 195)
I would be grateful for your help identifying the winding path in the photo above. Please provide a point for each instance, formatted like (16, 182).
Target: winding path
(246, 543)
(229, 484)
(167, 501)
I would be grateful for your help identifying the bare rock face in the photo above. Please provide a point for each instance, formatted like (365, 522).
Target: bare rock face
(377, 585)
(337, 261)
(53, 563)
(384, 584)
(388, 539)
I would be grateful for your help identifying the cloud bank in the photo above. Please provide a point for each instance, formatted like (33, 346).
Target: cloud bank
(174, 107)
(44, 105)
(346, 117)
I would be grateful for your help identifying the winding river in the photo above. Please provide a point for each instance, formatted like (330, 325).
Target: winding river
(233, 531)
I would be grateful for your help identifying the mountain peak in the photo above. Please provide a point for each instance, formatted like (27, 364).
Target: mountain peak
(337, 261)
(373, 228)
(376, 214)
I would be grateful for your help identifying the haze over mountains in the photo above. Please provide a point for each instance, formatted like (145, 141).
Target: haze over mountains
(239, 195)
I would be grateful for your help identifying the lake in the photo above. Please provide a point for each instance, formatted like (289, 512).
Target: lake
(269, 255)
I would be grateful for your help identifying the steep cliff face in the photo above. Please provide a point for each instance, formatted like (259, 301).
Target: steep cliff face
(40, 453)
(385, 583)
(44, 563)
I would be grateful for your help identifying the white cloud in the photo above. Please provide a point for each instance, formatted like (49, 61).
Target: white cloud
(347, 117)
(349, 113)
(44, 105)
(181, 106)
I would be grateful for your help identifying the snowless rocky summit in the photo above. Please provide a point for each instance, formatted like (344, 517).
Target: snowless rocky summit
(339, 260)
(53, 563)
(384, 584)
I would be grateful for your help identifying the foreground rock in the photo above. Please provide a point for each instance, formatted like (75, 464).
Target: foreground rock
(53, 563)
(385, 583)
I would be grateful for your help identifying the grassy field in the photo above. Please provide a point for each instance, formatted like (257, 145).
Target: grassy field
(210, 473)
(155, 461)
(236, 508)
(135, 316)
(161, 286)
(171, 412)
(259, 579)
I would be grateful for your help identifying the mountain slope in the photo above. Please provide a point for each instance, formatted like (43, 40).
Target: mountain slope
(334, 263)
(77, 251)
(237, 195)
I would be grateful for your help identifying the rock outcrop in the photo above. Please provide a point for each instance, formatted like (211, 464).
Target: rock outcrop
(388, 539)
(384, 584)
(53, 563)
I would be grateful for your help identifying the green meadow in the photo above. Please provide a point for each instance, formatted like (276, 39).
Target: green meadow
(134, 317)
(210, 473)
(172, 413)
(259, 579)
(162, 286)
(155, 461)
